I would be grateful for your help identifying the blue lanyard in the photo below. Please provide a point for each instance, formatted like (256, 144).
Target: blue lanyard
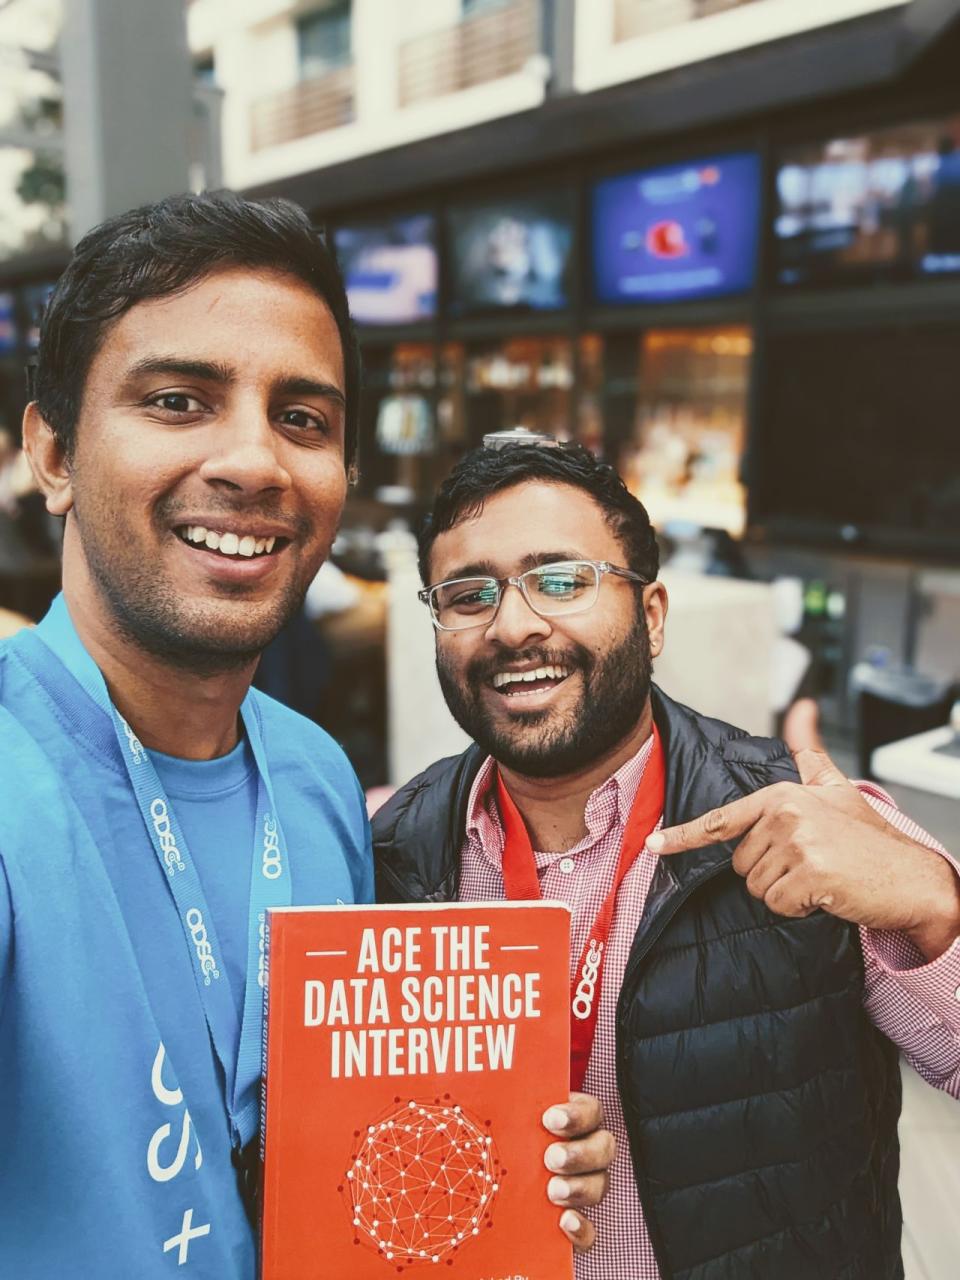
(270, 884)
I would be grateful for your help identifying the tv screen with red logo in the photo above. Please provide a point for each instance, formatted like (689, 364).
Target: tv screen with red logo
(679, 232)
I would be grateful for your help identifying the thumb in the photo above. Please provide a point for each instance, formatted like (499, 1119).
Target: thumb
(801, 733)
(801, 725)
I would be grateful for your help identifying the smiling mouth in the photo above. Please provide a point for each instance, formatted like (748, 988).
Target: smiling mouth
(521, 684)
(230, 544)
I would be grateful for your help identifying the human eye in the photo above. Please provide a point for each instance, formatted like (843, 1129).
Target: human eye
(175, 403)
(470, 596)
(303, 423)
(560, 581)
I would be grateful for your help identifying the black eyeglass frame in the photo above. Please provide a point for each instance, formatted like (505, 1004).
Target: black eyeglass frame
(602, 567)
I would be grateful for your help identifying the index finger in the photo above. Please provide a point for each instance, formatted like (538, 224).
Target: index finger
(726, 823)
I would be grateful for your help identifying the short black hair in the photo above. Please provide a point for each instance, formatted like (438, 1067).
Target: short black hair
(487, 471)
(162, 249)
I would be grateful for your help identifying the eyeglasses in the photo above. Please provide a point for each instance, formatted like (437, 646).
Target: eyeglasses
(551, 590)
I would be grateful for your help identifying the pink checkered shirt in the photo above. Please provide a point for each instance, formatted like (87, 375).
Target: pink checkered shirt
(916, 1004)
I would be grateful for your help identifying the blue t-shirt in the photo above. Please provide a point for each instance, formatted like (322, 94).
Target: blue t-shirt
(115, 1157)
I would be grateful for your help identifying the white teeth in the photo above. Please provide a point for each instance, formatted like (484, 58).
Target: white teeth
(229, 544)
(503, 678)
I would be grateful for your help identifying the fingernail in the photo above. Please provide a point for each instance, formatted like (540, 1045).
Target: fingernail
(558, 1190)
(570, 1221)
(655, 841)
(555, 1157)
(555, 1118)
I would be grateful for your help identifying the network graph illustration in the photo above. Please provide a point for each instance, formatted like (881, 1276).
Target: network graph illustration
(422, 1181)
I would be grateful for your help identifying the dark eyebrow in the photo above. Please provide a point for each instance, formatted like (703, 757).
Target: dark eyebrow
(487, 569)
(174, 366)
(295, 386)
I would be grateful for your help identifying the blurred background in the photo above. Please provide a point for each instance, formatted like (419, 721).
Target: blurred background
(715, 241)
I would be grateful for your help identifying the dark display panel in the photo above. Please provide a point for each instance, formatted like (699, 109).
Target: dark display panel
(879, 206)
(390, 270)
(680, 232)
(512, 254)
(858, 438)
(8, 323)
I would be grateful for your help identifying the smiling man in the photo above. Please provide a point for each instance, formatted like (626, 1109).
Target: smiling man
(750, 931)
(194, 420)
(194, 424)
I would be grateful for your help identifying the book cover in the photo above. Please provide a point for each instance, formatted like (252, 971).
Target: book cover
(410, 1053)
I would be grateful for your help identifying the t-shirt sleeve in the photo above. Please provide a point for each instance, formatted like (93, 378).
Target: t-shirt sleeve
(6, 935)
(362, 868)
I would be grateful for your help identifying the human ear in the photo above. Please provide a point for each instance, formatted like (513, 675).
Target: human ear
(655, 606)
(48, 461)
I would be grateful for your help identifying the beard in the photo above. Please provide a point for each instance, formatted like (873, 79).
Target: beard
(206, 637)
(546, 743)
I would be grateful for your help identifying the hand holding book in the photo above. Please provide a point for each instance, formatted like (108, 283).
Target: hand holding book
(580, 1161)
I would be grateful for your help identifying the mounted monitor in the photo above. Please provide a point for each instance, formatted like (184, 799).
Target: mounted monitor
(878, 206)
(390, 270)
(676, 233)
(855, 441)
(513, 254)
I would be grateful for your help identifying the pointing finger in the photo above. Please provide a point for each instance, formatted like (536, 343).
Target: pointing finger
(726, 823)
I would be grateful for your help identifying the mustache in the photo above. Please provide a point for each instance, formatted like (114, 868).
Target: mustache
(573, 658)
(295, 526)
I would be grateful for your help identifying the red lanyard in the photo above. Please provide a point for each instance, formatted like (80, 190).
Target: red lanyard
(520, 881)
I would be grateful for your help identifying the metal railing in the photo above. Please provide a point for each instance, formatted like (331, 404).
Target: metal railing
(478, 49)
(309, 107)
(640, 17)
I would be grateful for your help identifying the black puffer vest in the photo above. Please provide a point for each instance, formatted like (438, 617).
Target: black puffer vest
(760, 1102)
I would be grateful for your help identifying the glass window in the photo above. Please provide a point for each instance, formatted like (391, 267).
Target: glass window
(471, 7)
(204, 71)
(323, 39)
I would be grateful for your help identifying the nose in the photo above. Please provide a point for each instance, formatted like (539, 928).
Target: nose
(246, 454)
(515, 623)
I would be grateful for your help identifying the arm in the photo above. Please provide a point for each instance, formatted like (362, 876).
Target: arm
(6, 936)
(822, 845)
(912, 1000)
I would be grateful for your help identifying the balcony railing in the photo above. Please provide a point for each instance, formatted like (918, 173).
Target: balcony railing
(478, 49)
(640, 17)
(309, 107)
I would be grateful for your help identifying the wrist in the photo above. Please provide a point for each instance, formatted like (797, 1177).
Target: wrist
(939, 926)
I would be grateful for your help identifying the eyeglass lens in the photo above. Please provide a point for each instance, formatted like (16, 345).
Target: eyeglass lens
(549, 589)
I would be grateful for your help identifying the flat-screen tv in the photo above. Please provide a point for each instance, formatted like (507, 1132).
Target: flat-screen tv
(390, 269)
(512, 254)
(680, 232)
(875, 206)
(855, 439)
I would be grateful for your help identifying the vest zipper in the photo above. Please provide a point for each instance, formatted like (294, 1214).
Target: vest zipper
(634, 961)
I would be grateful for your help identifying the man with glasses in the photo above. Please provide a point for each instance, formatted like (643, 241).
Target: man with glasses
(736, 1004)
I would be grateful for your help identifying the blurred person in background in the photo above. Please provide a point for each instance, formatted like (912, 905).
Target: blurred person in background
(753, 936)
(194, 422)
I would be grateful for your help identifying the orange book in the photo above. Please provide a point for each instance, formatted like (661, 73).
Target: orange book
(409, 1055)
